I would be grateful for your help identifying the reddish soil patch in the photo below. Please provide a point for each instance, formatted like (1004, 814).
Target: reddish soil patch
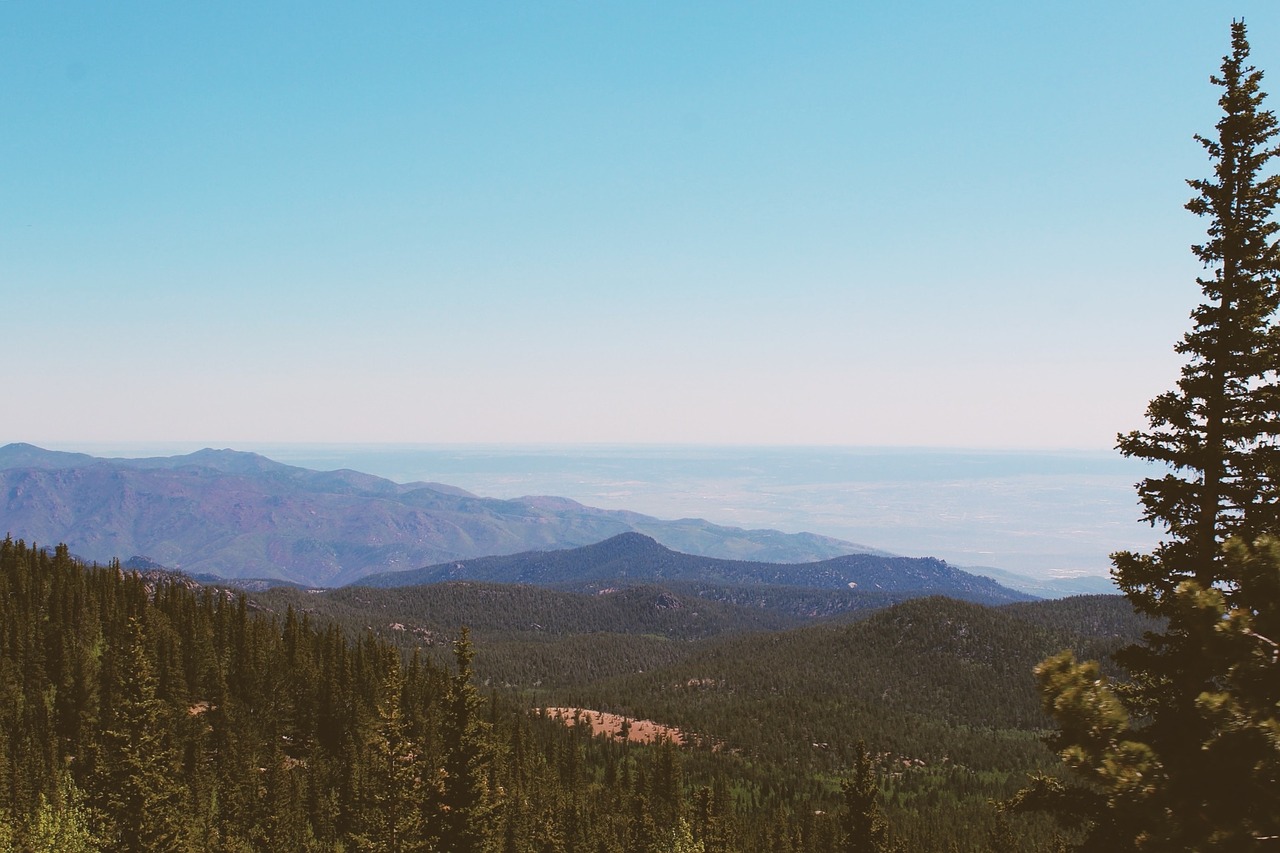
(641, 731)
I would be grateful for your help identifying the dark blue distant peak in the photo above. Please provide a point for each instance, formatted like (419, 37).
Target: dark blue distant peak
(630, 543)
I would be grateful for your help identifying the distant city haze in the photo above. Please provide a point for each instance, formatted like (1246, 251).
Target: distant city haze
(1037, 513)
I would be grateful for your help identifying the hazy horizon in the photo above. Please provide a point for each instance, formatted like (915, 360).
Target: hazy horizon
(916, 225)
(1038, 513)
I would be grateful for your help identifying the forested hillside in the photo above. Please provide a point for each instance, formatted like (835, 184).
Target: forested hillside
(149, 713)
(632, 558)
(937, 687)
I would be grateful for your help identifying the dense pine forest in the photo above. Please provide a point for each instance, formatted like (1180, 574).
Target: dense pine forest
(150, 713)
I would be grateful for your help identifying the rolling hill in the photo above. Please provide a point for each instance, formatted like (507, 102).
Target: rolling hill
(632, 558)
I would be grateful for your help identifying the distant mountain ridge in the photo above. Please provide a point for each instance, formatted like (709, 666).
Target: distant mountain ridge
(1062, 586)
(242, 515)
(633, 558)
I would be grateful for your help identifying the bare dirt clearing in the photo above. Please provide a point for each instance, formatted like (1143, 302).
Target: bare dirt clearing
(613, 725)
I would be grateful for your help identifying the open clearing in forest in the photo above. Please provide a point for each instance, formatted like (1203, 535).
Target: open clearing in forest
(602, 723)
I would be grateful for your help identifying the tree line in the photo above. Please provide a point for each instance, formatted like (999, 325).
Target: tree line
(149, 714)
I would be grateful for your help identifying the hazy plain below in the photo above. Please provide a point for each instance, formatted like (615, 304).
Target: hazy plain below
(1038, 513)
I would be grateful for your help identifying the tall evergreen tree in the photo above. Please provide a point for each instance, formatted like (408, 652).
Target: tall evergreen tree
(1216, 431)
(863, 828)
(394, 821)
(138, 766)
(1198, 771)
(464, 805)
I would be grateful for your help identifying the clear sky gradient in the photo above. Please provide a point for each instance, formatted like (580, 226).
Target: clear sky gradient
(919, 223)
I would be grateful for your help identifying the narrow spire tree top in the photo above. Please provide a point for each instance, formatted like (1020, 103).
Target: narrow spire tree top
(1216, 430)
(1184, 756)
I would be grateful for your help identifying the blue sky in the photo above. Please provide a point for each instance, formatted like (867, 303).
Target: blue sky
(912, 224)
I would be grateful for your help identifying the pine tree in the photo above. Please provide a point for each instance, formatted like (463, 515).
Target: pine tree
(63, 824)
(863, 827)
(464, 806)
(395, 820)
(680, 839)
(665, 784)
(1216, 431)
(138, 766)
(1199, 771)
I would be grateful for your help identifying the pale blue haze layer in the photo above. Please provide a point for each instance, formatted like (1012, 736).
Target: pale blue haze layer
(1035, 513)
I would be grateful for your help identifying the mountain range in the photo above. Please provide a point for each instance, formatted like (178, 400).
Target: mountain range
(241, 515)
(225, 514)
(633, 558)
